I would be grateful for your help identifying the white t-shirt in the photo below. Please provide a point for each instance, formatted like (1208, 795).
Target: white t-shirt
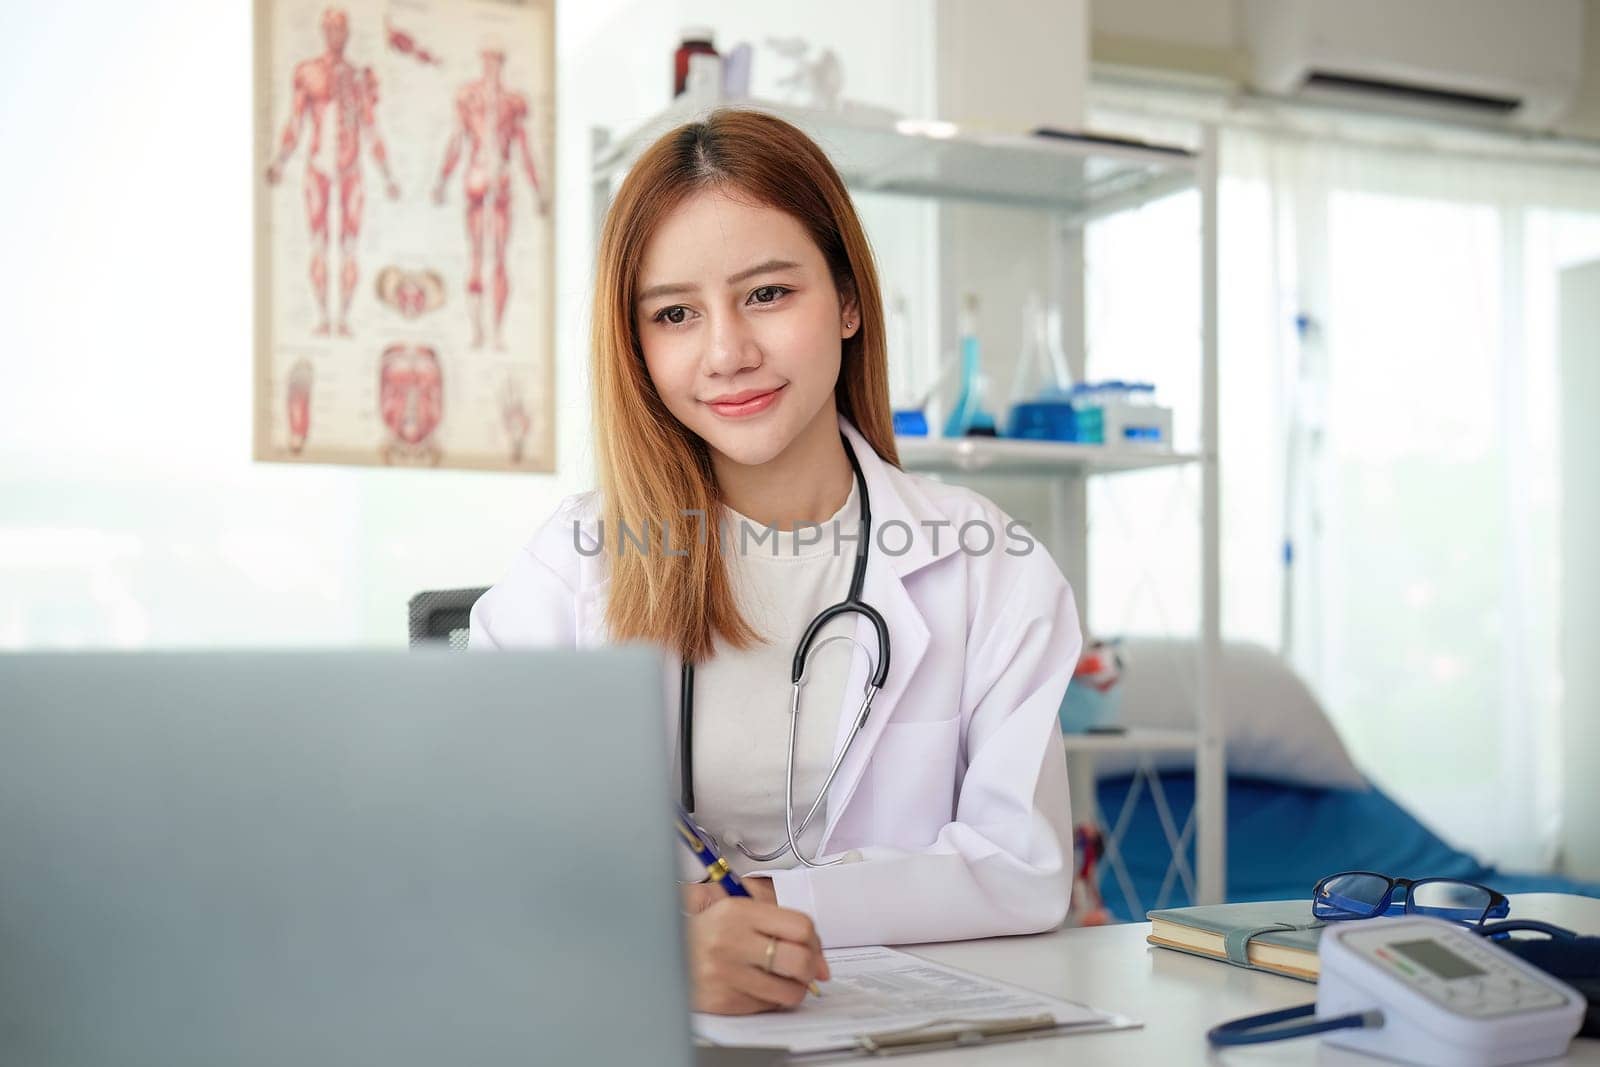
(741, 698)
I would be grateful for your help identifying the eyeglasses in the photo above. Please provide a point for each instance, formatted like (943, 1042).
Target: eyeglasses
(1365, 895)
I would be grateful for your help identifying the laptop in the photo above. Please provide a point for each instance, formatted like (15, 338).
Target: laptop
(323, 858)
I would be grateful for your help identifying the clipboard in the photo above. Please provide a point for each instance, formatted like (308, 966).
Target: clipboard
(889, 994)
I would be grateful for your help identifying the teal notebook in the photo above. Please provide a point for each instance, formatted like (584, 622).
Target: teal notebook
(1279, 936)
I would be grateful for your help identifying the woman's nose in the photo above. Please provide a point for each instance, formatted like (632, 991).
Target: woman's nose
(732, 345)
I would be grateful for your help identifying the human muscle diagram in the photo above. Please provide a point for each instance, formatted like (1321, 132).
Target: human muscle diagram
(367, 305)
(491, 125)
(334, 106)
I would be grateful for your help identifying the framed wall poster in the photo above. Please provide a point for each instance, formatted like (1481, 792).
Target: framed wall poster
(405, 267)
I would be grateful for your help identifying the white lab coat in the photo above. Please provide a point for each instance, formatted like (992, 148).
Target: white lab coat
(954, 796)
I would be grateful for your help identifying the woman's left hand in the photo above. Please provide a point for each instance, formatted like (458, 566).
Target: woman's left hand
(761, 889)
(698, 896)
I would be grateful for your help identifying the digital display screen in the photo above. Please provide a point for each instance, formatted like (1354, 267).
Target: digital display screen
(1436, 958)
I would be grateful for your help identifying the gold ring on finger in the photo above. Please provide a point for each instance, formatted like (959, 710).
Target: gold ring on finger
(772, 953)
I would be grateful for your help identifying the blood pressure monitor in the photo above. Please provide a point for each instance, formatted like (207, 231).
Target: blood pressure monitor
(1446, 995)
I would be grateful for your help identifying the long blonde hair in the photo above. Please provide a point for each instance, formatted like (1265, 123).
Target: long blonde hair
(653, 468)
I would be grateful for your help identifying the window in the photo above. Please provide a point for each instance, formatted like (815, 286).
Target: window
(1389, 412)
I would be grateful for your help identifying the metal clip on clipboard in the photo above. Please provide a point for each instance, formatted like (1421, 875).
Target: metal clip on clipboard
(951, 1033)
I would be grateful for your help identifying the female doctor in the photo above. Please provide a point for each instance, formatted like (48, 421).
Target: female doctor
(746, 459)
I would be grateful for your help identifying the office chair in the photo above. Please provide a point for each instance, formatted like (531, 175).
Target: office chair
(439, 617)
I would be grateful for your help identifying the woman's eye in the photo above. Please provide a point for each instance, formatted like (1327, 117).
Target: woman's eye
(673, 316)
(768, 293)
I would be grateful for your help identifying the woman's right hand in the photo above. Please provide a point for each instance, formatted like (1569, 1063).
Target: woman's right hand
(728, 944)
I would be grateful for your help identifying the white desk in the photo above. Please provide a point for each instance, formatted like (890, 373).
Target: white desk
(1177, 997)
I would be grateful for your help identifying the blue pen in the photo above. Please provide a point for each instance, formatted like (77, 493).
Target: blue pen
(717, 869)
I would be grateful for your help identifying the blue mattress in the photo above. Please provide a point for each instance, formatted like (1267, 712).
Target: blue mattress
(1282, 838)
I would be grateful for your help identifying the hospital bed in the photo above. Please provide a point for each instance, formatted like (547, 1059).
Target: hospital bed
(1298, 808)
(1282, 838)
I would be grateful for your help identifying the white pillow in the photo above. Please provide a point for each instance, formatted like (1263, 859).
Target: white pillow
(1274, 727)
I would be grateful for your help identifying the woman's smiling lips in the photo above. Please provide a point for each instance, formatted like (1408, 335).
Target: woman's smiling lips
(742, 405)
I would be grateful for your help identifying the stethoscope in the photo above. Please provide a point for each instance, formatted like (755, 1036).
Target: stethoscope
(852, 604)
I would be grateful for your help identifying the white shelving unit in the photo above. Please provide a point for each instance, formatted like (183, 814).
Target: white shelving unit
(1071, 182)
(1040, 459)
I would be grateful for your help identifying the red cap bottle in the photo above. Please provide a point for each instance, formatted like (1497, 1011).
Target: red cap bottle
(695, 40)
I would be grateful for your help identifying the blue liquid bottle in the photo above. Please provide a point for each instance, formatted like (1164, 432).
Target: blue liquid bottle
(969, 418)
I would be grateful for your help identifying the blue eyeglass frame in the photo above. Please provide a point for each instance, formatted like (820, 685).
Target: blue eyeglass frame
(1499, 905)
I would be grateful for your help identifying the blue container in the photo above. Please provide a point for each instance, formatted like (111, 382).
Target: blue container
(911, 423)
(1043, 420)
(1089, 420)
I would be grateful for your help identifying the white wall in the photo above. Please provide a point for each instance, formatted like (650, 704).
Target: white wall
(130, 511)
(1585, 118)
(1580, 602)
(1207, 24)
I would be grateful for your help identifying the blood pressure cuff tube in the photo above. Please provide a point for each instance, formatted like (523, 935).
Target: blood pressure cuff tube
(1576, 962)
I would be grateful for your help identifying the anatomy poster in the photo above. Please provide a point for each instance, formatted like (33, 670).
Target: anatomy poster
(404, 241)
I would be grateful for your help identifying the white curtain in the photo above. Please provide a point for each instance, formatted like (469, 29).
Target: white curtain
(1390, 443)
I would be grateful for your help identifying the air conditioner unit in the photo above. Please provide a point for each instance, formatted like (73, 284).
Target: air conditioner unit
(1515, 61)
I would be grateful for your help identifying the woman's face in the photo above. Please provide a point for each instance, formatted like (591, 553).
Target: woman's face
(741, 325)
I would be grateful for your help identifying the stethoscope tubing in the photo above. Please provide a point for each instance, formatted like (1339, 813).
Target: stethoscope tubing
(852, 604)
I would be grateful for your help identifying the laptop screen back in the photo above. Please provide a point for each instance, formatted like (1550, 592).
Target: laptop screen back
(351, 858)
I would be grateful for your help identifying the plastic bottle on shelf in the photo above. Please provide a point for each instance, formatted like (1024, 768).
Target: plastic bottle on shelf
(1088, 414)
(910, 418)
(696, 66)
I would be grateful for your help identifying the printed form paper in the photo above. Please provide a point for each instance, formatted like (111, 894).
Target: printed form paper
(874, 990)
